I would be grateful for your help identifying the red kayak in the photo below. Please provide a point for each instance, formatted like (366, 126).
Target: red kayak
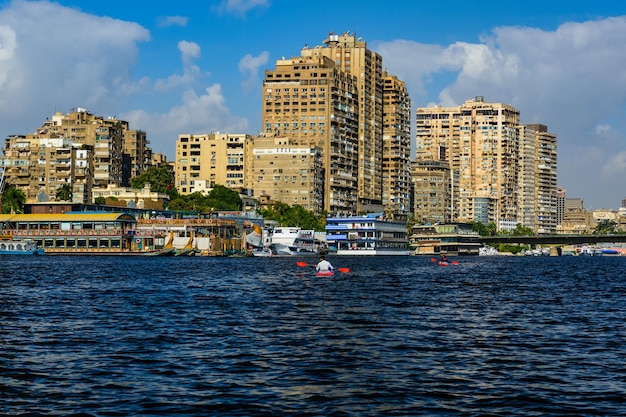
(325, 273)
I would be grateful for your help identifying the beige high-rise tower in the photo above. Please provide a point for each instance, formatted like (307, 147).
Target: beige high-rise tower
(351, 55)
(502, 172)
(396, 148)
(311, 101)
(480, 141)
(546, 190)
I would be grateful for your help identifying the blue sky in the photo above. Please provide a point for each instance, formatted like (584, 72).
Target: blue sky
(193, 66)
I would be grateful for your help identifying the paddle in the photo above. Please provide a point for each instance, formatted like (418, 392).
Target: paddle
(453, 262)
(344, 270)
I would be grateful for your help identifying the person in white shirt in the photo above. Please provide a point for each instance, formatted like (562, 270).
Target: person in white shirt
(324, 265)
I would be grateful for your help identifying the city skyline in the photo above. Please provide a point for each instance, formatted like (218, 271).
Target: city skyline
(195, 68)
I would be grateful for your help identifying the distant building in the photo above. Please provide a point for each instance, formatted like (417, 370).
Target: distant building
(396, 157)
(39, 166)
(352, 56)
(314, 103)
(283, 171)
(431, 191)
(503, 172)
(576, 219)
(79, 149)
(206, 160)
(560, 204)
(132, 197)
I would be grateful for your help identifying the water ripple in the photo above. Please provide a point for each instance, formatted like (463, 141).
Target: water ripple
(246, 337)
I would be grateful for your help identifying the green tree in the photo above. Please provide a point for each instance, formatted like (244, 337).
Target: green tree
(223, 198)
(605, 227)
(485, 230)
(100, 200)
(522, 230)
(294, 216)
(160, 178)
(64, 193)
(13, 199)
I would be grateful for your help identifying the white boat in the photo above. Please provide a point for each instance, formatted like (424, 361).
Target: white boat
(19, 247)
(282, 241)
(279, 249)
(366, 235)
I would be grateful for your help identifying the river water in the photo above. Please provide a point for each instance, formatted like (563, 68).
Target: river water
(396, 336)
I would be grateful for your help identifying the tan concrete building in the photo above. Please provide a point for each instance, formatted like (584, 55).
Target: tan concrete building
(284, 171)
(351, 55)
(396, 159)
(141, 198)
(39, 166)
(546, 204)
(431, 191)
(139, 154)
(527, 194)
(106, 135)
(312, 102)
(576, 220)
(204, 160)
(489, 153)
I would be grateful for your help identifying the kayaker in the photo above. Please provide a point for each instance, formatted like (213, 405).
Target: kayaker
(323, 265)
(444, 258)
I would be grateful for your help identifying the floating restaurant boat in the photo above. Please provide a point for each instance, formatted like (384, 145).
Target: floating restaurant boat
(116, 233)
(456, 239)
(366, 235)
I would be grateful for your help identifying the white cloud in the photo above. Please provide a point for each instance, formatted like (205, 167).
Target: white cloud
(81, 60)
(616, 166)
(571, 79)
(62, 62)
(240, 7)
(189, 51)
(167, 21)
(249, 66)
(196, 114)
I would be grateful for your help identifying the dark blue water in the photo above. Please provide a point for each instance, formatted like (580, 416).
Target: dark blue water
(121, 336)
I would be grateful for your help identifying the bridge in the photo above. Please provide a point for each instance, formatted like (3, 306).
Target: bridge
(559, 240)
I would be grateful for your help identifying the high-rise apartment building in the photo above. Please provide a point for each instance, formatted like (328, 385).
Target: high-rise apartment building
(206, 160)
(491, 156)
(286, 172)
(396, 159)
(546, 179)
(139, 153)
(341, 85)
(312, 102)
(119, 153)
(39, 166)
(351, 55)
(106, 135)
(431, 191)
(560, 204)
(527, 182)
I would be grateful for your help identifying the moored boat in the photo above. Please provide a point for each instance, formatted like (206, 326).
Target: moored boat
(366, 235)
(20, 247)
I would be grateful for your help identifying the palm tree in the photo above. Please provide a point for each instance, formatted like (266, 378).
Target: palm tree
(64, 193)
(13, 200)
